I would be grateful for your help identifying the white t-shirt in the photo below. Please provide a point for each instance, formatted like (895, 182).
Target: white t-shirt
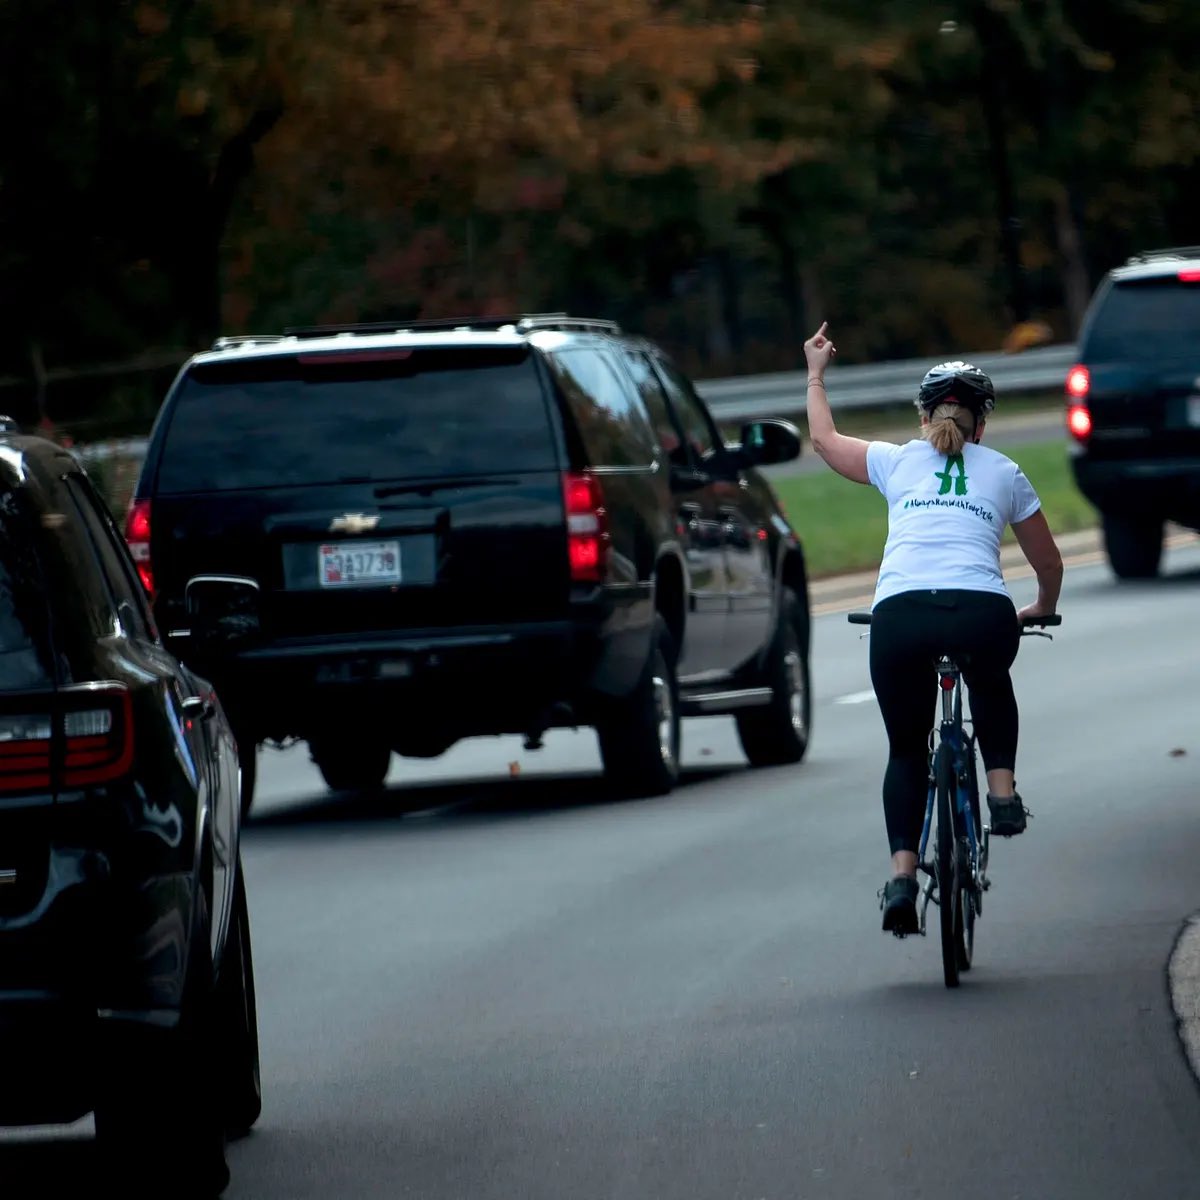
(946, 516)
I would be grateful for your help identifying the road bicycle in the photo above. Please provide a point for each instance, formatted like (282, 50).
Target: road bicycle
(956, 877)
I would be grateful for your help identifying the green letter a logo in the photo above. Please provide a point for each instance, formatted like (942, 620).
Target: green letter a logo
(947, 476)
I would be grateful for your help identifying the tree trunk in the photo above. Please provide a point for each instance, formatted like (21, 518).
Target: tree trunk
(1076, 283)
(731, 303)
(992, 100)
(720, 350)
(814, 300)
(234, 165)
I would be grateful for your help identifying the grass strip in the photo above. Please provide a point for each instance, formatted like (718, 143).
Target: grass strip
(843, 525)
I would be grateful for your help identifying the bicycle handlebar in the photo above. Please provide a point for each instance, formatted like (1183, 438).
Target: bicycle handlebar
(864, 618)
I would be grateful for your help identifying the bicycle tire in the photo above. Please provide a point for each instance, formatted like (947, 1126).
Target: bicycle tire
(946, 852)
(964, 914)
(967, 907)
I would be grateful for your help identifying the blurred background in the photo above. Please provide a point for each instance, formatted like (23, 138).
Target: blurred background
(720, 176)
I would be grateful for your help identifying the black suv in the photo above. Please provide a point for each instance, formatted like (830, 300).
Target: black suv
(1133, 405)
(126, 978)
(382, 538)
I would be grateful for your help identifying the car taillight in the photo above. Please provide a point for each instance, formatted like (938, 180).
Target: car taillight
(1189, 276)
(25, 744)
(587, 528)
(1079, 383)
(90, 741)
(97, 734)
(1079, 422)
(137, 534)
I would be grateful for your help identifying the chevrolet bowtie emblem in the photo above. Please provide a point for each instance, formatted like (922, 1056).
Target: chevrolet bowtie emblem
(354, 523)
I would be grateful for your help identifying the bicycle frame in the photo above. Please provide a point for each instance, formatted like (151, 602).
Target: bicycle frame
(951, 731)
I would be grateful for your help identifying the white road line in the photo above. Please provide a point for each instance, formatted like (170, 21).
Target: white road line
(857, 697)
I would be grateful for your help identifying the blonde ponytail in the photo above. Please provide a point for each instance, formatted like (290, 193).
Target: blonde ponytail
(949, 427)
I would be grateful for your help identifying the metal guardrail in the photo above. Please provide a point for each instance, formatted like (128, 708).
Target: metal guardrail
(878, 385)
(874, 385)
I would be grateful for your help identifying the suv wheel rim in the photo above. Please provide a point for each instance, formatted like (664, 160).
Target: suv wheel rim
(664, 706)
(793, 673)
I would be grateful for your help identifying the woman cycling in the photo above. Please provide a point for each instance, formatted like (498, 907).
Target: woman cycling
(940, 591)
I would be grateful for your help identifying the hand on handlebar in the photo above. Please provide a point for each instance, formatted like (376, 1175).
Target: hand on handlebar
(1031, 614)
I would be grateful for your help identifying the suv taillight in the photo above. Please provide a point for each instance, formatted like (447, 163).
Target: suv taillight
(1079, 382)
(25, 742)
(587, 528)
(89, 742)
(97, 734)
(137, 534)
(1079, 417)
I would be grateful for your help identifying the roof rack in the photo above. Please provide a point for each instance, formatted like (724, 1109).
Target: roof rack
(1173, 252)
(564, 321)
(522, 323)
(246, 339)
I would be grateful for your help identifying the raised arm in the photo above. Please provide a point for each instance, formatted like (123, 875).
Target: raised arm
(846, 455)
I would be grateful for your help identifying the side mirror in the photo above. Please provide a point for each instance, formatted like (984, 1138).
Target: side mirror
(688, 479)
(770, 441)
(223, 610)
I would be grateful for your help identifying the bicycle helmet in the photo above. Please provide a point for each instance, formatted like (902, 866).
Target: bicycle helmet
(957, 383)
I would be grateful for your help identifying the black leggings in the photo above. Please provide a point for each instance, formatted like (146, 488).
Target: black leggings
(908, 632)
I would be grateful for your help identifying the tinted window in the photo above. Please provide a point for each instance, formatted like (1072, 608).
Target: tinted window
(611, 422)
(313, 419)
(697, 427)
(25, 643)
(126, 593)
(666, 429)
(1146, 321)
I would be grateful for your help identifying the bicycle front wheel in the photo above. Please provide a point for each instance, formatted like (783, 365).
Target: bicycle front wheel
(968, 891)
(946, 849)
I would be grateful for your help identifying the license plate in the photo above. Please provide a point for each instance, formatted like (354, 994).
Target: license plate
(357, 564)
(1193, 410)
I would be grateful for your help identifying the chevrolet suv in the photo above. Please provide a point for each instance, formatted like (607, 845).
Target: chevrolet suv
(382, 539)
(1133, 405)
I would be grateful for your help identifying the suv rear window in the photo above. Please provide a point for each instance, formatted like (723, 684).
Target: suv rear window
(1149, 319)
(25, 655)
(317, 418)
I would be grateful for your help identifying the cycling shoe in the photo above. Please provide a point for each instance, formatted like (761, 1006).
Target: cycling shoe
(1008, 815)
(898, 899)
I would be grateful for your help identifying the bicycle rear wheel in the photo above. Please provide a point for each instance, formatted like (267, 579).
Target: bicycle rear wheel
(946, 849)
(964, 912)
(968, 895)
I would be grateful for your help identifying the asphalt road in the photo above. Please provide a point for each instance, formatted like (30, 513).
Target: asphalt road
(526, 991)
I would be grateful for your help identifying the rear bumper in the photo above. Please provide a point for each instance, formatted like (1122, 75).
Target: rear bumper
(1150, 487)
(461, 682)
(76, 968)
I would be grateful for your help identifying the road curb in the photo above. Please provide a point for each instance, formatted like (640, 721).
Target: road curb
(837, 593)
(1183, 978)
(836, 587)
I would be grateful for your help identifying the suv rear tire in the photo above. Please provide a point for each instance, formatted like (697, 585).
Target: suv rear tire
(777, 733)
(1134, 545)
(158, 1127)
(640, 735)
(236, 1005)
(348, 765)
